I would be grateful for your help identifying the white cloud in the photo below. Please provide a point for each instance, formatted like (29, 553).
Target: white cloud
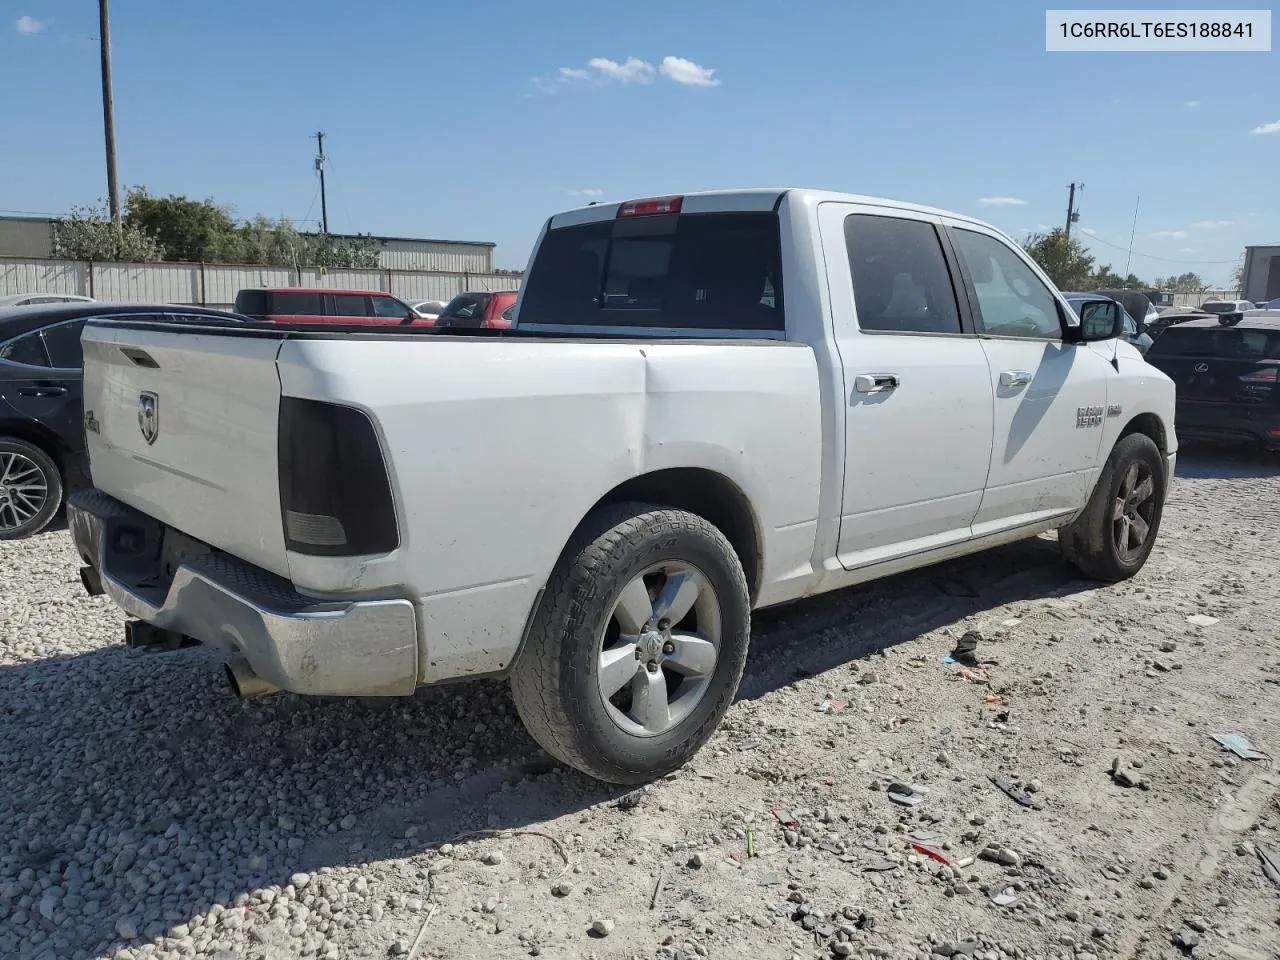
(1170, 234)
(1268, 128)
(1089, 230)
(1212, 224)
(1002, 201)
(633, 70)
(28, 26)
(586, 192)
(687, 72)
(573, 73)
(1192, 104)
(1186, 250)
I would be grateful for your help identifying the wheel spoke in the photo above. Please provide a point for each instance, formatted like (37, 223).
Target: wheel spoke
(1130, 480)
(1140, 529)
(1122, 533)
(9, 458)
(634, 608)
(1144, 491)
(693, 656)
(1118, 508)
(677, 597)
(649, 700)
(618, 666)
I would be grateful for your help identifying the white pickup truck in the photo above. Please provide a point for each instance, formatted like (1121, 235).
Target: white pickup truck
(709, 404)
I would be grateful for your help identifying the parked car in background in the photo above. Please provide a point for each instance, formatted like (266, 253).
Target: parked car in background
(41, 423)
(479, 309)
(1170, 316)
(1138, 304)
(428, 309)
(32, 299)
(297, 305)
(708, 404)
(1227, 306)
(1226, 373)
(1134, 332)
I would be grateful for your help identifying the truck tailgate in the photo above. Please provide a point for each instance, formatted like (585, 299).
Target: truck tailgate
(182, 425)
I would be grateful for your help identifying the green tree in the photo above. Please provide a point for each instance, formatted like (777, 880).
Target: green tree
(1063, 258)
(189, 230)
(87, 233)
(1237, 278)
(1186, 283)
(1106, 279)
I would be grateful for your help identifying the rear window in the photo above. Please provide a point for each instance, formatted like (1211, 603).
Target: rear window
(710, 271)
(467, 306)
(1218, 306)
(1228, 343)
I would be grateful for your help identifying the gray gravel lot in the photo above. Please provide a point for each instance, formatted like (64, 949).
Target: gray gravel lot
(146, 813)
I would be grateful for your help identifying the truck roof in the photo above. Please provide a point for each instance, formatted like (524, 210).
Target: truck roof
(753, 198)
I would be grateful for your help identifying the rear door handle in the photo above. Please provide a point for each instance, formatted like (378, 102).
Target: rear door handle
(875, 382)
(42, 391)
(1014, 378)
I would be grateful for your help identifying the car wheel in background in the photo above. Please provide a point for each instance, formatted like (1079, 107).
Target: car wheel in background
(30, 489)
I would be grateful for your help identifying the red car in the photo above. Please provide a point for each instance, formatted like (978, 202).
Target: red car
(480, 309)
(297, 305)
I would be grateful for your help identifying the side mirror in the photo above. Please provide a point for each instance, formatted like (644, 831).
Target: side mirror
(1100, 320)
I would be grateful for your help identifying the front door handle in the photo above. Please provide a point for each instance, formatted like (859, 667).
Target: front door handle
(1014, 378)
(42, 391)
(875, 382)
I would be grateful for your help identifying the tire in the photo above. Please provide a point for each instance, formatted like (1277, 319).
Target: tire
(559, 680)
(1092, 543)
(20, 460)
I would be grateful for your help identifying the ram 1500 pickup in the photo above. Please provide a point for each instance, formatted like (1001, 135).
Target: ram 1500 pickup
(708, 404)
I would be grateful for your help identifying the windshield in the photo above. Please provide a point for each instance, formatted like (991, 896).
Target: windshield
(710, 271)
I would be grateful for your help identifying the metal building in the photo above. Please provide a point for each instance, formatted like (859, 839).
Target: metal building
(32, 238)
(1261, 274)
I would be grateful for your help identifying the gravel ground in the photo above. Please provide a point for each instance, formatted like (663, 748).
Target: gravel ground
(146, 813)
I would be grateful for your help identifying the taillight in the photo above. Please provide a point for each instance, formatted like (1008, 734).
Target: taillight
(650, 208)
(1268, 377)
(335, 496)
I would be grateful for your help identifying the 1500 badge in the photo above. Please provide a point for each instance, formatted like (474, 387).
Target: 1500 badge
(1089, 416)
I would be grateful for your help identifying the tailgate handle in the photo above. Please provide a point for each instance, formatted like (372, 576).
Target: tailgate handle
(140, 358)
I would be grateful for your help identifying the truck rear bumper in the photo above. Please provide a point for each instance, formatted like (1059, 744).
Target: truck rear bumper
(294, 642)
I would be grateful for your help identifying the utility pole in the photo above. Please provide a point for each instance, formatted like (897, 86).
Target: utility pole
(109, 113)
(1073, 215)
(324, 204)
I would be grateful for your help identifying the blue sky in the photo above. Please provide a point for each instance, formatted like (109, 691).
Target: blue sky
(477, 120)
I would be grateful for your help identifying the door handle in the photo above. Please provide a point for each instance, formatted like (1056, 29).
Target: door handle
(875, 382)
(42, 391)
(1014, 378)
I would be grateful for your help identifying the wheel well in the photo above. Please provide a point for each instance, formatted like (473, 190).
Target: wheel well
(1149, 424)
(38, 438)
(710, 495)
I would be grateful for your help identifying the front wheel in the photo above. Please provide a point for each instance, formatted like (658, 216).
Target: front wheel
(639, 644)
(1113, 537)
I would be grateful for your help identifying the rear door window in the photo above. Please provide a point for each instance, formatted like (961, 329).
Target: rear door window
(901, 283)
(62, 341)
(351, 305)
(296, 304)
(28, 349)
(709, 271)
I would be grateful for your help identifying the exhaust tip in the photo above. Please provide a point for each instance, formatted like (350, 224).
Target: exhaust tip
(91, 582)
(244, 682)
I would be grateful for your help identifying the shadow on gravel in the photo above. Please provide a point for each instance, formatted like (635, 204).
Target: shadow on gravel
(136, 793)
(1204, 462)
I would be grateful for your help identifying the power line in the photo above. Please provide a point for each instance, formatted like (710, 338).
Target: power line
(1151, 256)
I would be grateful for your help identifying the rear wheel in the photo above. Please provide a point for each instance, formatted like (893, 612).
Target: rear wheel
(30, 489)
(637, 650)
(1113, 537)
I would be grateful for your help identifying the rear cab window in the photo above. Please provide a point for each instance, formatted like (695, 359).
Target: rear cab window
(901, 283)
(684, 272)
